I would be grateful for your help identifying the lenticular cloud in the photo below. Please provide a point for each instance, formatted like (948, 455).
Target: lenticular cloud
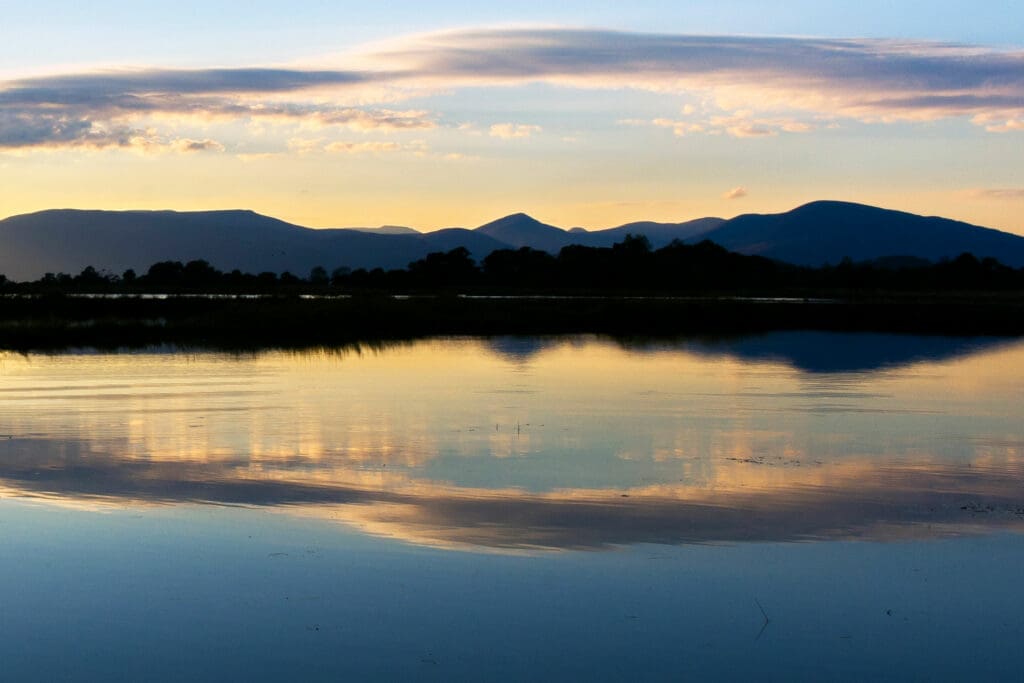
(818, 79)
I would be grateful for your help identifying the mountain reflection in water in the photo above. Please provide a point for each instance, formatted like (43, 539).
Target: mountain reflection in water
(533, 443)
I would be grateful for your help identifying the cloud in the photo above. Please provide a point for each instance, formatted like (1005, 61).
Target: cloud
(116, 85)
(735, 193)
(187, 145)
(361, 147)
(996, 123)
(679, 128)
(305, 145)
(748, 130)
(253, 157)
(98, 129)
(508, 131)
(788, 85)
(871, 80)
(916, 499)
(1005, 193)
(739, 125)
(55, 132)
(366, 120)
(99, 110)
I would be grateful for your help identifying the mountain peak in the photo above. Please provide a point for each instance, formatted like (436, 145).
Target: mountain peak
(827, 231)
(834, 206)
(522, 230)
(511, 219)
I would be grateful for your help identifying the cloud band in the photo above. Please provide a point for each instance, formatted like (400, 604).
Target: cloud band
(867, 80)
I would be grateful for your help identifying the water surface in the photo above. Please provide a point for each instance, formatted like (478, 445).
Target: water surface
(517, 507)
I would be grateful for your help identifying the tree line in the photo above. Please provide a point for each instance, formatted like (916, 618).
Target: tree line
(629, 266)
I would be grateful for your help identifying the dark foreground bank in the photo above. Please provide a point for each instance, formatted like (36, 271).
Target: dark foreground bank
(53, 322)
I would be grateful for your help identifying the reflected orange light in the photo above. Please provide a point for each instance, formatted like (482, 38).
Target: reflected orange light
(721, 448)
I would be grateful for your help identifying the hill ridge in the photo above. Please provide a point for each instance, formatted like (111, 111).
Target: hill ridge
(67, 240)
(826, 231)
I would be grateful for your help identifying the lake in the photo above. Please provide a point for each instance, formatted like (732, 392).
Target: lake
(789, 505)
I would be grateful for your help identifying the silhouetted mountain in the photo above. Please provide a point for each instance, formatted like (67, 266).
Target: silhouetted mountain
(827, 231)
(69, 240)
(814, 234)
(659, 234)
(479, 245)
(520, 230)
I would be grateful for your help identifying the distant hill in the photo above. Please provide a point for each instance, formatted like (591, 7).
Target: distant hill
(659, 234)
(813, 234)
(520, 230)
(827, 231)
(68, 240)
(479, 245)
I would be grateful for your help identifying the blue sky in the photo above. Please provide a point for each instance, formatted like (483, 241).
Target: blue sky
(452, 113)
(186, 32)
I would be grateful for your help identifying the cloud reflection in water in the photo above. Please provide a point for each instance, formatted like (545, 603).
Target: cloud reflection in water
(601, 444)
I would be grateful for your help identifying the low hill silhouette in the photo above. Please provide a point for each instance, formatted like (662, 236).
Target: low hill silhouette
(113, 241)
(814, 234)
(828, 231)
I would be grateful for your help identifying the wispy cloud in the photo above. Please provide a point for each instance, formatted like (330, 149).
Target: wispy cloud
(787, 85)
(679, 128)
(361, 147)
(735, 193)
(103, 110)
(871, 80)
(1004, 193)
(508, 131)
(998, 124)
(741, 124)
(256, 156)
(45, 131)
(187, 145)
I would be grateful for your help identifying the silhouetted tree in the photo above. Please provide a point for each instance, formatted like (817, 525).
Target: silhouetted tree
(630, 265)
(524, 267)
(266, 279)
(89, 277)
(318, 276)
(237, 278)
(633, 245)
(341, 275)
(199, 273)
(455, 267)
(165, 273)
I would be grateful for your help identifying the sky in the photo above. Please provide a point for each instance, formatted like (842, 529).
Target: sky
(436, 114)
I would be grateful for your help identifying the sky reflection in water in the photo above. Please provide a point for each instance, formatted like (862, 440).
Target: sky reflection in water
(526, 443)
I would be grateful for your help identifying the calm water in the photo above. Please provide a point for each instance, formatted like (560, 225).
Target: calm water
(517, 508)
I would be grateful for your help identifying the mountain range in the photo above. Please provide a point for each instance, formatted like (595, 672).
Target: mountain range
(813, 234)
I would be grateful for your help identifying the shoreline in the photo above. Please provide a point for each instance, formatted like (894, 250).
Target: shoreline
(52, 322)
